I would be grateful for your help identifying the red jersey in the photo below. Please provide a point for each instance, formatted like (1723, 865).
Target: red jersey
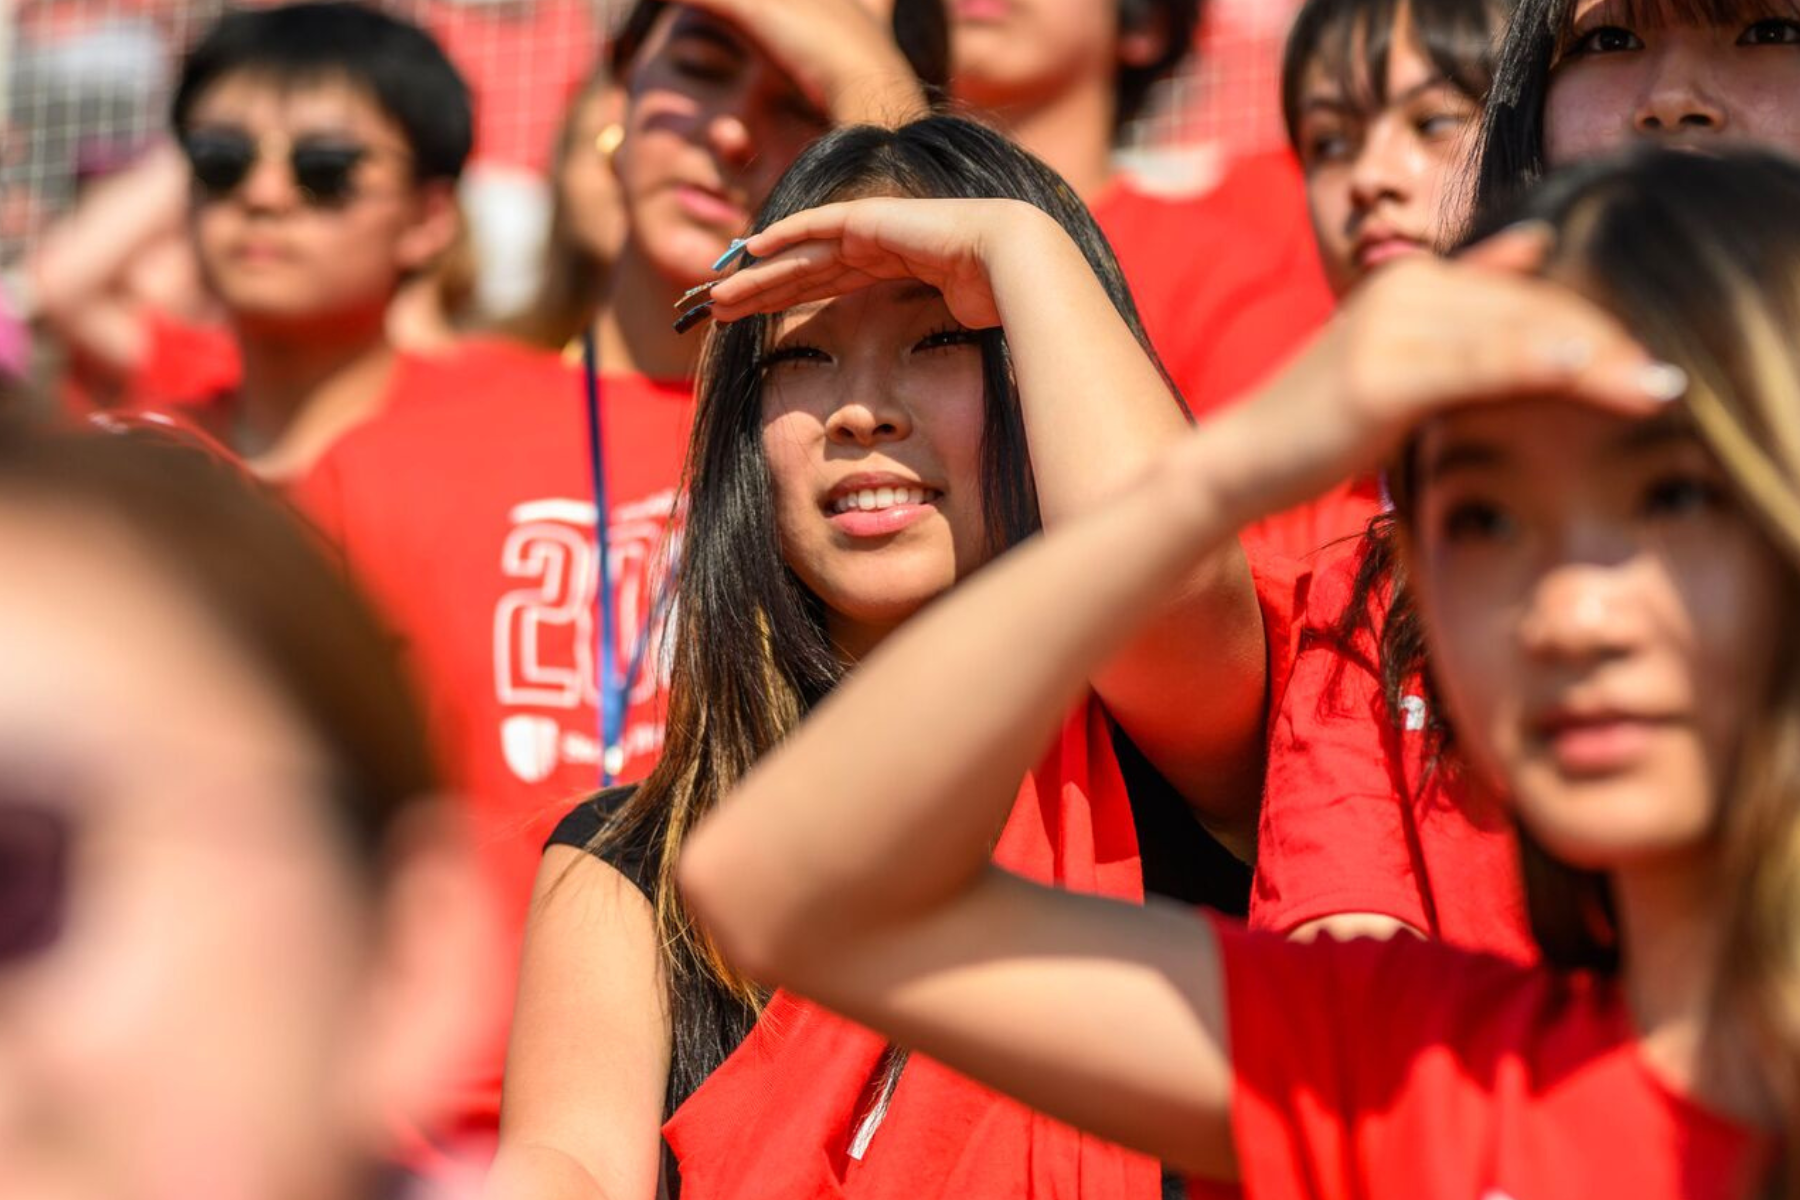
(1358, 816)
(1432, 1072)
(1228, 282)
(470, 516)
(788, 1114)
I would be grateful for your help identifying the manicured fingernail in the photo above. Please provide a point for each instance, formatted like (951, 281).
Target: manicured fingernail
(1662, 381)
(732, 253)
(693, 316)
(687, 297)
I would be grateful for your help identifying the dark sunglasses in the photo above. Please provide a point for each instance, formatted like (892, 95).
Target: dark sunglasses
(322, 167)
(34, 877)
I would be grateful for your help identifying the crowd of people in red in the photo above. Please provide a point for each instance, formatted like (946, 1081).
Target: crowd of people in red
(917, 666)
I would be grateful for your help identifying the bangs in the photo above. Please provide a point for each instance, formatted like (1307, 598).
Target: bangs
(1662, 14)
(1350, 42)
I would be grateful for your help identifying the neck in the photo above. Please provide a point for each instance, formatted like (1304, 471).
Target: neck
(1671, 942)
(854, 640)
(1071, 130)
(636, 330)
(302, 390)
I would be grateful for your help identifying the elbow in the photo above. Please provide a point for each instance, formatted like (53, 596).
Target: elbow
(721, 891)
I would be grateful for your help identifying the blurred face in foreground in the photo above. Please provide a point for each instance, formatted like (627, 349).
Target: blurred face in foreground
(196, 975)
(1602, 618)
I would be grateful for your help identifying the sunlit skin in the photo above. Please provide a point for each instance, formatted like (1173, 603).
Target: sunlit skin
(185, 1034)
(1017, 52)
(1047, 71)
(881, 388)
(1382, 178)
(1603, 617)
(1615, 82)
(711, 124)
(275, 260)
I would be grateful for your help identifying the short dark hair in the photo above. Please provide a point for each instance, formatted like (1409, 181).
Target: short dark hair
(1179, 22)
(1352, 40)
(400, 65)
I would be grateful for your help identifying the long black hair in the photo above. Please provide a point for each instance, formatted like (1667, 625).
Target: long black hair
(750, 653)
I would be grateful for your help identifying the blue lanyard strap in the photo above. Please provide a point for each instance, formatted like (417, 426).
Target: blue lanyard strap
(614, 687)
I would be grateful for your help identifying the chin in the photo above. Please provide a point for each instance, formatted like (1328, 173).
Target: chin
(1610, 824)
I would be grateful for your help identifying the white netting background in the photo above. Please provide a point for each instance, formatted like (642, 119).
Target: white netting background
(86, 86)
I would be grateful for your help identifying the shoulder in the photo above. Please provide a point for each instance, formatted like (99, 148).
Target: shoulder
(595, 827)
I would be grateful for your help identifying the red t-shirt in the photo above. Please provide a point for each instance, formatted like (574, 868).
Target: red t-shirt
(1230, 288)
(1228, 282)
(1358, 817)
(470, 517)
(779, 1117)
(1404, 1069)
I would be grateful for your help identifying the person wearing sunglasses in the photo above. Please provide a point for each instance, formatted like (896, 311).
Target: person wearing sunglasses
(323, 143)
(239, 929)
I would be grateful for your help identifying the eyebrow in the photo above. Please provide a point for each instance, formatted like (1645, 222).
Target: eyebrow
(1465, 454)
(694, 26)
(1663, 430)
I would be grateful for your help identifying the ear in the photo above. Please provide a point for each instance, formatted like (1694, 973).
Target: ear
(438, 995)
(436, 222)
(1143, 34)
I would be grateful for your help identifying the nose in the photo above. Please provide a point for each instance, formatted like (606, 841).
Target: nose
(728, 133)
(269, 186)
(1678, 97)
(1579, 613)
(868, 415)
(1385, 168)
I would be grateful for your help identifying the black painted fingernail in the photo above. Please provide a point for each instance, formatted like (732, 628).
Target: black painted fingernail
(693, 316)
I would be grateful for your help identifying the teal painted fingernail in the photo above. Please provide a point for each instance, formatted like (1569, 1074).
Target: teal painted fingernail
(732, 253)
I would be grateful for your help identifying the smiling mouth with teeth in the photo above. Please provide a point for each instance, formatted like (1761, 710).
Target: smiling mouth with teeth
(876, 499)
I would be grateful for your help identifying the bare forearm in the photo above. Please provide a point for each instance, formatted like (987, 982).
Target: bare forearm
(925, 744)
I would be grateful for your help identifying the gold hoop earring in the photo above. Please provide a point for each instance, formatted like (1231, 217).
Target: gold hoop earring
(607, 143)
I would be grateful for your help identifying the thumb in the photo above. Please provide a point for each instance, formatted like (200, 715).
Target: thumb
(1518, 249)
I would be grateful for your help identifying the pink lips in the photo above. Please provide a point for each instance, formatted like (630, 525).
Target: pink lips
(1603, 744)
(878, 505)
(983, 10)
(1370, 255)
(711, 208)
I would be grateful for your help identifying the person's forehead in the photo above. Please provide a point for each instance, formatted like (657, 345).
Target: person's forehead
(902, 297)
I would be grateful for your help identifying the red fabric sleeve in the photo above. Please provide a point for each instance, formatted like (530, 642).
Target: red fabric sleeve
(1335, 834)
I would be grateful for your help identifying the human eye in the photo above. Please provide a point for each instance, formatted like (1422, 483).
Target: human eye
(792, 354)
(947, 338)
(1775, 31)
(1323, 144)
(1475, 521)
(1607, 39)
(700, 62)
(1681, 494)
